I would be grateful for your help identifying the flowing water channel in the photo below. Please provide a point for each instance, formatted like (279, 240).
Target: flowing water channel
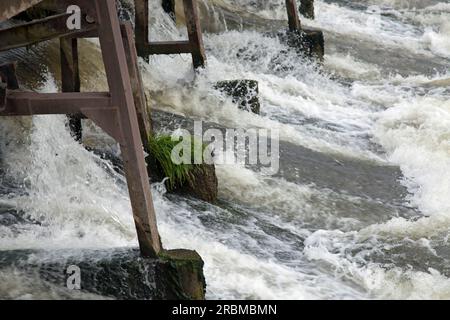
(359, 209)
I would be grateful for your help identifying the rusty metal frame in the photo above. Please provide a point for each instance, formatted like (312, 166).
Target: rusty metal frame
(114, 111)
(194, 45)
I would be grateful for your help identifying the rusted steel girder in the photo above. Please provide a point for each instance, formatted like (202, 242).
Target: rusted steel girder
(194, 45)
(21, 103)
(195, 33)
(3, 89)
(294, 21)
(142, 28)
(113, 111)
(70, 79)
(38, 31)
(8, 75)
(166, 47)
(8, 81)
(137, 84)
(114, 57)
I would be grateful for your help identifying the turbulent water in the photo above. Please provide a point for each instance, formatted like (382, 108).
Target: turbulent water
(359, 209)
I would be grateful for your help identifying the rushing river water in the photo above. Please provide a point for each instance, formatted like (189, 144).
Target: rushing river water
(359, 208)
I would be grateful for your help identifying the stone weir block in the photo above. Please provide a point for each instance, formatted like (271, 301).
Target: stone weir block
(310, 42)
(245, 93)
(113, 273)
(306, 8)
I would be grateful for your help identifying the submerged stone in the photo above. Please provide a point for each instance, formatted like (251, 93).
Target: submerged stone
(203, 184)
(309, 42)
(245, 93)
(7, 219)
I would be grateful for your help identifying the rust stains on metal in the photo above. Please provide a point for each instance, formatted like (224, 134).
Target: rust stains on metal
(137, 84)
(116, 67)
(70, 79)
(2, 96)
(8, 75)
(195, 33)
(294, 21)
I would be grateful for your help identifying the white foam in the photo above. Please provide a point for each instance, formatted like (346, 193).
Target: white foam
(68, 191)
(286, 85)
(347, 66)
(381, 282)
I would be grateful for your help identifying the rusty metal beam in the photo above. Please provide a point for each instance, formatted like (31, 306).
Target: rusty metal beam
(137, 85)
(167, 47)
(2, 96)
(70, 79)
(3, 92)
(8, 75)
(8, 81)
(114, 58)
(141, 26)
(294, 20)
(195, 33)
(149, 48)
(32, 103)
(70, 69)
(38, 31)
